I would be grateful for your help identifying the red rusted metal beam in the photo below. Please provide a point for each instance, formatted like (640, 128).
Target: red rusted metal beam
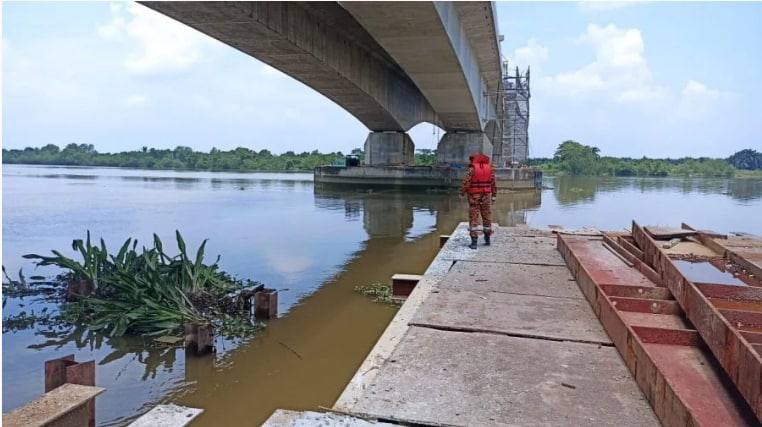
(66, 370)
(636, 292)
(721, 329)
(670, 365)
(645, 305)
(633, 258)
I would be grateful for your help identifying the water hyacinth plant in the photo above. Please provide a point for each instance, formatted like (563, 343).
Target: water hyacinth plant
(148, 291)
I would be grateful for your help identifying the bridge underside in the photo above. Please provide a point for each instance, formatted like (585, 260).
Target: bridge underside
(391, 65)
(320, 45)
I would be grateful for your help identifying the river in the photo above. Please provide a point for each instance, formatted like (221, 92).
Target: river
(312, 244)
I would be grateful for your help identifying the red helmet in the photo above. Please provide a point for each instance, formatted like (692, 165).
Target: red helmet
(476, 158)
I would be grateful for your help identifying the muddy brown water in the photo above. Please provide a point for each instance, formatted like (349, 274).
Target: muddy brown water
(312, 244)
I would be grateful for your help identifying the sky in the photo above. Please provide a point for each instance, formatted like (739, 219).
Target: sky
(632, 78)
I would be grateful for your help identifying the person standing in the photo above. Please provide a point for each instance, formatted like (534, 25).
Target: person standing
(479, 183)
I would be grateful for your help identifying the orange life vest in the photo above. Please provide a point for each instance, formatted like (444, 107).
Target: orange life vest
(481, 181)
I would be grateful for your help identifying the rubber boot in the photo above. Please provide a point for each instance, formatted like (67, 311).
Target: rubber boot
(473, 243)
(486, 240)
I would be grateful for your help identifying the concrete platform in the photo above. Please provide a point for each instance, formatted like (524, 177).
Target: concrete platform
(507, 248)
(281, 418)
(170, 415)
(455, 378)
(563, 319)
(494, 336)
(522, 279)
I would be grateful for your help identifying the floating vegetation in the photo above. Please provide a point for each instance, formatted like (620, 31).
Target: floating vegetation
(26, 320)
(149, 292)
(381, 292)
(14, 287)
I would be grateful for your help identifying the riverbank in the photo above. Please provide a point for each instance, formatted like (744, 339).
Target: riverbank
(573, 158)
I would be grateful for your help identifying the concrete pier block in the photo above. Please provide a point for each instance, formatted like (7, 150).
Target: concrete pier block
(389, 148)
(455, 147)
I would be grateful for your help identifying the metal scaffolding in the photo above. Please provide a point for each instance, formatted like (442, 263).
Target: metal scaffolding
(515, 117)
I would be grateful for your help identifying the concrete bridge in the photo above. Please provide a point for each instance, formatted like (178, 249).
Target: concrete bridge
(392, 65)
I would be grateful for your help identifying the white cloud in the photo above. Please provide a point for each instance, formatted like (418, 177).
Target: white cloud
(158, 43)
(136, 100)
(533, 54)
(620, 70)
(698, 101)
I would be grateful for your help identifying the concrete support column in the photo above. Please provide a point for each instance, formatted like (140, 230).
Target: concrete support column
(455, 147)
(389, 148)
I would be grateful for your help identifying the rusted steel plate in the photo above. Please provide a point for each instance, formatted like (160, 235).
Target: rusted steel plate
(662, 352)
(641, 305)
(670, 321)
(669, 233)
(645, 292)
(609, 268)
(721, 329)
(650, 335)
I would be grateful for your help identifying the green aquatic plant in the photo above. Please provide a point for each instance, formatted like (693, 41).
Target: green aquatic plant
(380, 292)
(150, 292)
(93, 266)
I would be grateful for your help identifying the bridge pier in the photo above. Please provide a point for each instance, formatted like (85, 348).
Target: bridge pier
(455, 147)
(389, 148)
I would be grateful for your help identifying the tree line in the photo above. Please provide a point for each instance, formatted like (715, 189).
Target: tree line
(239, 159)
(570, 158)
(574, 158)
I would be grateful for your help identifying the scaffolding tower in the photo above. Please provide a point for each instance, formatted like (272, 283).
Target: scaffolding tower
(515, 117)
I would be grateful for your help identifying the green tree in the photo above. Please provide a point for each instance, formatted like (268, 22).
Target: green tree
(577, 159)
(746, 159)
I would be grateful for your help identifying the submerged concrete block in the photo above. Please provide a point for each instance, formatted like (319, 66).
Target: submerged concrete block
(455, 147)
(64, 406)
(170, 415)
(389, 148)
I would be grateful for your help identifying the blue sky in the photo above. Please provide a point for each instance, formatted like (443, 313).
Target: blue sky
(634, 79)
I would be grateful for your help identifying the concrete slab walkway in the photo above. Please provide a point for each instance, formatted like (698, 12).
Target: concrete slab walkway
(496, 336)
